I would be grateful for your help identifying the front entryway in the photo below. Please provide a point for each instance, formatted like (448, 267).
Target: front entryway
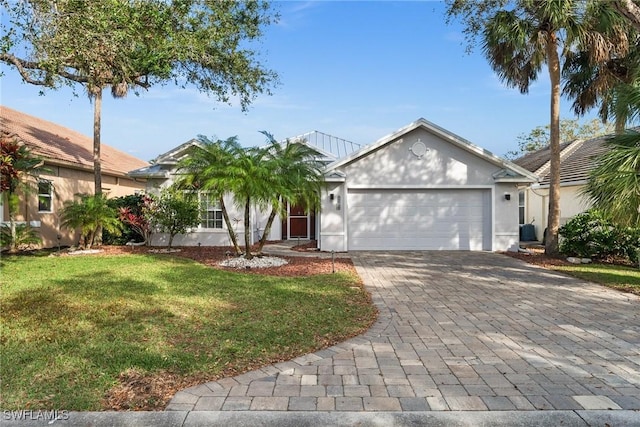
(299, 224)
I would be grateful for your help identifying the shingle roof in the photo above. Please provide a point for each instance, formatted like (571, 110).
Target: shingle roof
(63, 145)
(576, 160)
(537, 159)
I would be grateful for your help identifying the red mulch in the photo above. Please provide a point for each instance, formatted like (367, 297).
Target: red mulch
(212, 256)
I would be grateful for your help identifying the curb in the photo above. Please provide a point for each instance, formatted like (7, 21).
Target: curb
(616, 418)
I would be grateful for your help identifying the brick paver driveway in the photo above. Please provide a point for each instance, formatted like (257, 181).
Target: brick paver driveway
(458, 331)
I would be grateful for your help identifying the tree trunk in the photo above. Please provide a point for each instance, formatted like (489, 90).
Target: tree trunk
(553, 221)
(232, 232)
(247, 230)
(97, 165)
(13, 205)
(267, 229)
(629, 10)
(170, 240)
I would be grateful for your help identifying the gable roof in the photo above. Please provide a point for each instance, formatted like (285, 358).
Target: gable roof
(162, 165)
(576, 160)
(63, 146)
(510, 172)
(328, 147)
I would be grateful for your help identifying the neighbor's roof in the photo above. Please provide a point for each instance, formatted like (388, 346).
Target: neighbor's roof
(63, 146)
(576, 160)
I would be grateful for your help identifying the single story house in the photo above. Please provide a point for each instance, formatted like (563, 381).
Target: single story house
(576, 161)
(68, 163)
(419, 188)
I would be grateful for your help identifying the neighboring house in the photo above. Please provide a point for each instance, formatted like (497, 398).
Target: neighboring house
(68, 159)
(420, 188)
(576, 161)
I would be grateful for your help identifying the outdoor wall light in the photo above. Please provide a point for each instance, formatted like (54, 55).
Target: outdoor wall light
(507, 196)
(331, 196)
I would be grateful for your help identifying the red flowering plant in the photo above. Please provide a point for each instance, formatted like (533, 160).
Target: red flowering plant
(139, 219)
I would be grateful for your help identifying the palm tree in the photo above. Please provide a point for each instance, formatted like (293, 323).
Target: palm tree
(91, 214)
(253, 183)
(209, 167)
(595, 76)
(518, 43)
(18, 167)
(297, 179)
(614, 184)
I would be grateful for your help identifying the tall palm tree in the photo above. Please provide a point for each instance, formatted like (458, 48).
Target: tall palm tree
(614, 184)
(209, 168)
(297, 179)
(518, 43)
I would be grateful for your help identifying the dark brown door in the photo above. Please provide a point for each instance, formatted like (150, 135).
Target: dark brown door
(300, 224)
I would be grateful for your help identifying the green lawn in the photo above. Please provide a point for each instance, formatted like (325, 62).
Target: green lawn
(614, 276)
(71, 325)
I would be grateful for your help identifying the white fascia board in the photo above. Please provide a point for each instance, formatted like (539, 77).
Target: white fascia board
(418, 187)
(517, 180)
(562, 184)
(168, 158)
(335, 179)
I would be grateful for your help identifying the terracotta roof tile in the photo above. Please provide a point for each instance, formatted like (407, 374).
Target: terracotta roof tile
(62, 144)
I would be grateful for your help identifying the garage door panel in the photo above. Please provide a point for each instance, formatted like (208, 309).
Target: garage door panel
(426, 219)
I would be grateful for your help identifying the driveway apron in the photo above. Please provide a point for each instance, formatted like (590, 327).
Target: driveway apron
(456, 331)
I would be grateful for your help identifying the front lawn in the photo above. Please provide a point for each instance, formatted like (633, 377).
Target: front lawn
(614, 276)
(128, 331)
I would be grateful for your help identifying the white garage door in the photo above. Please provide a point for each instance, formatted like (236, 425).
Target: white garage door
(419, 220)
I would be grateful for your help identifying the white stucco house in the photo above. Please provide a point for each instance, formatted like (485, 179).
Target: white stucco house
(419, 188)
(576, 161)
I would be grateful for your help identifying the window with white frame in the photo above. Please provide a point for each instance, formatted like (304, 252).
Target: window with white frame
(45, 196)
(521, 211)
(210, 211)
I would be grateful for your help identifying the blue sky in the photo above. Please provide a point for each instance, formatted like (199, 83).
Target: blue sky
(356, 70)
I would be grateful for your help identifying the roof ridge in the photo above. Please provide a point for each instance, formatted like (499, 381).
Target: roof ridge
(565, 152)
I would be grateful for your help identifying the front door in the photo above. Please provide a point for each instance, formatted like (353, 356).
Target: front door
(299, 224)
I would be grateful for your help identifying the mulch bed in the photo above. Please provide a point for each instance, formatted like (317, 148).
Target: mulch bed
(212, 256)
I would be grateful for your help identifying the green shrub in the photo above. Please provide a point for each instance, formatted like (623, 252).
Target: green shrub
(26, 237)
(92, 215)
(132, 203)
(591, 235)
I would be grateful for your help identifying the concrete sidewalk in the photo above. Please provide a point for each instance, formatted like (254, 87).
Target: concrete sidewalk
(318, 419)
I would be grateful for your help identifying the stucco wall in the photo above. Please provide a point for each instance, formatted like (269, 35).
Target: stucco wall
(67, 183)
(537, 206)
(332, 233)
(443, 166)
(218, 237)
(507, 230)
